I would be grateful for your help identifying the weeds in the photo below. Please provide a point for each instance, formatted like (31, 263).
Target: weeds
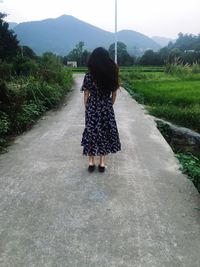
(178, 68)
(190, 165)
(24, 98)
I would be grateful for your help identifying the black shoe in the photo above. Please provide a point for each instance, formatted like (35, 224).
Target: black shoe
(91, 168)
(101, 168)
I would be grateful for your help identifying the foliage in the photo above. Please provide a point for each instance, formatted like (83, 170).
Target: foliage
(4, 123)
(180, 69)
(151, 58)
(24, 98)
(6, 70)
(50, 68)
(27, 52)
(191, 167)
(25, 66)
(29, 85)
(27, 98)
(26, 117)
(183, 48)
(186, 48)
(8, 40)
(78, 54)
(123, 57)
(187, 42)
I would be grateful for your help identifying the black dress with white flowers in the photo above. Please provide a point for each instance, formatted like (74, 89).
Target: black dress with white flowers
(100, 136)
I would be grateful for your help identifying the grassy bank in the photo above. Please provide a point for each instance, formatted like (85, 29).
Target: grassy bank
(24, 98)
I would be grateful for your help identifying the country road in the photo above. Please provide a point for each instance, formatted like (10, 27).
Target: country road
(142, 212)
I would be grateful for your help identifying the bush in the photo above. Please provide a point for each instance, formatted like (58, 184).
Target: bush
(25, 99)
(191, 167)
(5, 71)
(195, 68)
(177, 68)
(4, 123)
(38, 85)
(4, 127)
(26, 117)
(24, 66)
(180, 69)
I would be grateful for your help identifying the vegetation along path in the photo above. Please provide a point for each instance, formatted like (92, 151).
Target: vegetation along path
(141, 212)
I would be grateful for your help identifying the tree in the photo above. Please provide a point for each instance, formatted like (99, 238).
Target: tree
(164, 53)
(175, 53)
(191, 57)
(85, 57)
(123, 57)
(27, 52)
(8, 40)
(23, 65)
(186, 42)
(186, 49)
(151, 58)
(78, 54)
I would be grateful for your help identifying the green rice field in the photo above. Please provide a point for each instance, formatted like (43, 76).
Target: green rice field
(174, 98)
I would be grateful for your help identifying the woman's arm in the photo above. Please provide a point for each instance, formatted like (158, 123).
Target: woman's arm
(114, 95)
(86, 95)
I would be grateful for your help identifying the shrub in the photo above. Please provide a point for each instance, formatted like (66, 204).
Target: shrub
(178, 68)
(195, 68)
(181, 69)
(4, 123)
(5, 71)
(191, 167)
(24, 66)
(26, 117)
(38, 85)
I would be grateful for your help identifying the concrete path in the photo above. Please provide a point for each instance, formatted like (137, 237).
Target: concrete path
(141, 213)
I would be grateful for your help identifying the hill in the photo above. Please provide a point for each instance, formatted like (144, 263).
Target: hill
(187, 42)
(12, 25)
(162, 41)
(61, 34)
(137, 43)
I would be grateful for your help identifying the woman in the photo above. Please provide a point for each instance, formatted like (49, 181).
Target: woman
(100, 136)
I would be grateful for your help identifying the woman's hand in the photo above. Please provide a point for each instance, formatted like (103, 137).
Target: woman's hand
(114, 95)
(86, 95)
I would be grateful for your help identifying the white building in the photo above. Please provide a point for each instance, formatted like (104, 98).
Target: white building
(72, 64)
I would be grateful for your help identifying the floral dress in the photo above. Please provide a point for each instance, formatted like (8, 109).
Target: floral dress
(100, 136)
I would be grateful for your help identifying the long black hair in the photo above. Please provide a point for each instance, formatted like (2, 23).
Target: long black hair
(104, 70)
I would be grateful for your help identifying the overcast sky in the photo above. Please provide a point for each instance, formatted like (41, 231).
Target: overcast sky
(151, 17)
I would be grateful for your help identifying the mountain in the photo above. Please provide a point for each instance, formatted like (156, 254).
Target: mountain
(60, 36)
(12, 25)
(137, 43)
(162, 41)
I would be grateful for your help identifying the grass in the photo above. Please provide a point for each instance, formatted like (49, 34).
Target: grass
(170, 97)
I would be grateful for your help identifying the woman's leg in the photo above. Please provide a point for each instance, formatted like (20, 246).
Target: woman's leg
(91, 160)
(102, 161)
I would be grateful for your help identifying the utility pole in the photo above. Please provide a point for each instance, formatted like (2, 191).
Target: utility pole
(116, 31)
